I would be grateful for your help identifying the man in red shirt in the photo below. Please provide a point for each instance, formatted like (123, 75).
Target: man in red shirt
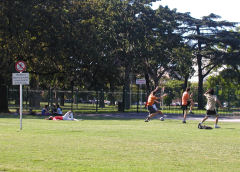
(153, 111)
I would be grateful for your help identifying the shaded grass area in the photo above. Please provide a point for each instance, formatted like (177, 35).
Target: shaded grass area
(117, 145)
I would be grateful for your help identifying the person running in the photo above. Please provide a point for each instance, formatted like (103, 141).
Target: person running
(186, 101)
(151, 107)
(211, 106)
(67, 116)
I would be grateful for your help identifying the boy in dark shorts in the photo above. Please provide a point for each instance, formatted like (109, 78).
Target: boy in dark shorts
(153, 111)
(211, 106)
(186, 101)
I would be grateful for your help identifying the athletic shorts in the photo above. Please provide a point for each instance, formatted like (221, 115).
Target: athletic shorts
(211, 112)
(185, 107)
(151, 109)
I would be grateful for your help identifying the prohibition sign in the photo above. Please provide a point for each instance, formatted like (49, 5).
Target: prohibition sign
(20, 66)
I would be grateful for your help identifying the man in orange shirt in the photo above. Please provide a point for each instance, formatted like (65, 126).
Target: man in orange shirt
(153, 111)
(185, 103)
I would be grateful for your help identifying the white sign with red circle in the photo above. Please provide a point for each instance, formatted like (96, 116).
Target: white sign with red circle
(20, 66)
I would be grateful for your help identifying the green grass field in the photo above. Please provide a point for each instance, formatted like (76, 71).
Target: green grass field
(117, 145)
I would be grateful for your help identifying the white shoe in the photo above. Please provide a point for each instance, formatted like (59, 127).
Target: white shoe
(216, 126)
(161, 119)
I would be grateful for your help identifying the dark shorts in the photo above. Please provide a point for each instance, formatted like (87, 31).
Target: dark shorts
(211, 112)
(151, 109)
(185, 107)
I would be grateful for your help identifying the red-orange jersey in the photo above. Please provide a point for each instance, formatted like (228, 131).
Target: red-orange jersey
(57, 118)
(185, 98)
(151, 100)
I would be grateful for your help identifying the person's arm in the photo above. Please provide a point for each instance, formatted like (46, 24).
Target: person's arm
(156, 89)
(162, 96)
(191, 96)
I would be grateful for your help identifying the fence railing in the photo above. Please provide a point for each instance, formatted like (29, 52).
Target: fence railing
(97, 101)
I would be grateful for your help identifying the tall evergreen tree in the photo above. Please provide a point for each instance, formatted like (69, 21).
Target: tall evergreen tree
(204, 36)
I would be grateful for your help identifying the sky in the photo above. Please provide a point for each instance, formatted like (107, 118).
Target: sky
(228, 10)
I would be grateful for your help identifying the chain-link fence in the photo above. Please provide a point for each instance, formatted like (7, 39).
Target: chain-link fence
(102, 101)
(80, 101)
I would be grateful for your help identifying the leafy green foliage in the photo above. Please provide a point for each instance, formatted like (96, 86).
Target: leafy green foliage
(97, 44)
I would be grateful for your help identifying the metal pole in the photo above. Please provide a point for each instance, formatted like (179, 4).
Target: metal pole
(20, 110)
(141, 96)
(97, 101)
(72, 100)
(137, 98)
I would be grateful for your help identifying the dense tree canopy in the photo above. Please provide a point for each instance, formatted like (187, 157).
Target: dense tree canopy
(97, 44)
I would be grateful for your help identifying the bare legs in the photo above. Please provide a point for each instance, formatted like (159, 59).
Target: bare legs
(216, 121)
(152, 115)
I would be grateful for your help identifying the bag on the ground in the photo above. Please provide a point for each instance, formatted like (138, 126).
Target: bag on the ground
(204, 127)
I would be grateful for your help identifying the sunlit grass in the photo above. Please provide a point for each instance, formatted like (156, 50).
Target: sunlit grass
(117, 145)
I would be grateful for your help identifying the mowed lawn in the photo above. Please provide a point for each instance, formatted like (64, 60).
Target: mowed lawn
(117, 145)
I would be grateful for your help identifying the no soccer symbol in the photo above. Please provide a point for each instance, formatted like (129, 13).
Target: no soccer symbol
(20, 66)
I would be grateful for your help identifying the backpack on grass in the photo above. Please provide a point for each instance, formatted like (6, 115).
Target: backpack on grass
(200, 126)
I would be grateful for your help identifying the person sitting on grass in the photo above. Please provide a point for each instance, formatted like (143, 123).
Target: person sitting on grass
(59, 110)
(211, 106)
(67, 116)
(45, 111)
(54, 110)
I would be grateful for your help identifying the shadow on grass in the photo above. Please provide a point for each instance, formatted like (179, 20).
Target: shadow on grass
(230, 128)
(110, 116)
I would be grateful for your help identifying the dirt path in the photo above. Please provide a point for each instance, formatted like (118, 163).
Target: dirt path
(168, 116)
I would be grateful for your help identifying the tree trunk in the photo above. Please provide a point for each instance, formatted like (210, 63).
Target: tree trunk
(35, 96)
(200, 74)
(185, 82)
(61, 96)
(148, 89)
(200, 83)
(101, 99)
(126, 90)
(3, 97)
(111, 95)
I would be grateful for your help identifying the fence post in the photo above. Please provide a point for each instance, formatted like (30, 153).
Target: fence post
(97, 100)
(72, 85)
(217, 93)
(26, 106)
(7, 96)
(228, 105)
(77, 97)
(137, 97)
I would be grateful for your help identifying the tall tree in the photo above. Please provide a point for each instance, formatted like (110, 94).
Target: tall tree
(204, 36)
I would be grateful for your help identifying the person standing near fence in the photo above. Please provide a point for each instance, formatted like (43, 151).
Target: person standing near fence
(186, 101)
(153, 111)
(211, 106)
